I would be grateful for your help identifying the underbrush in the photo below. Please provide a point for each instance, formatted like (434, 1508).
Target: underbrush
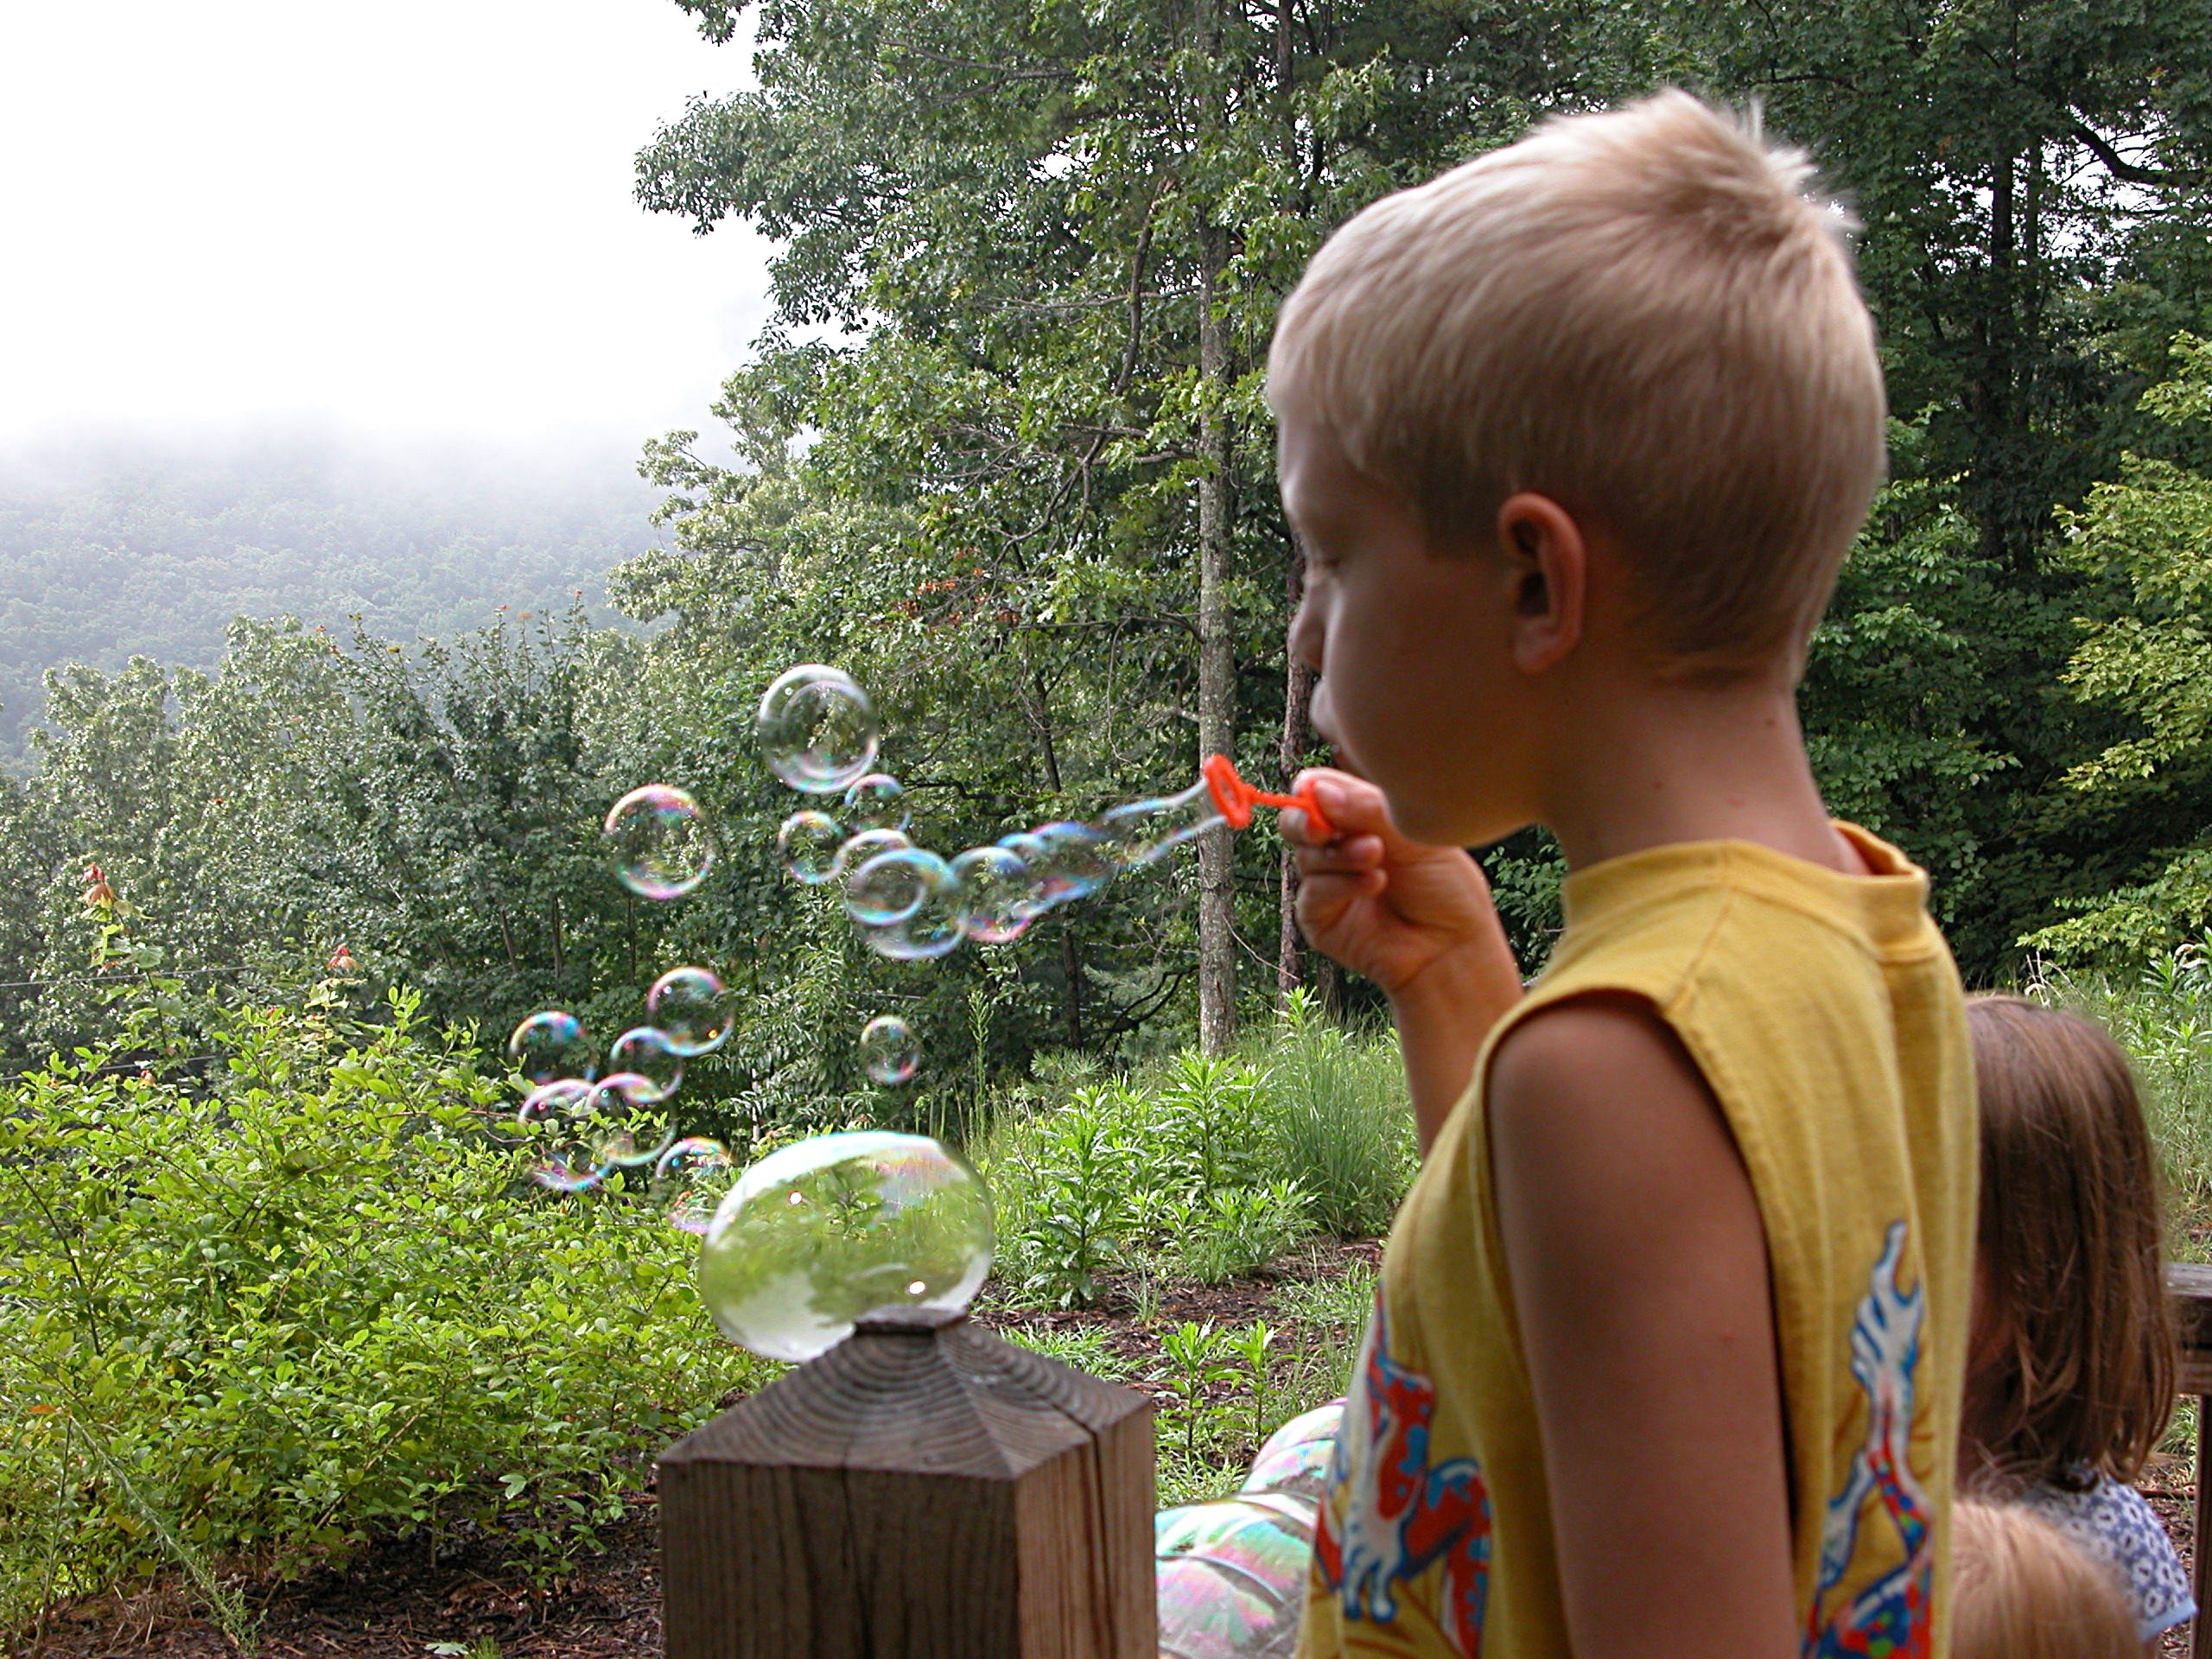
(256, 1318)
(1199, 1168)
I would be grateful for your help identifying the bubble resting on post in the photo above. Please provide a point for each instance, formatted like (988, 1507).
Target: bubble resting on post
(818, 1234)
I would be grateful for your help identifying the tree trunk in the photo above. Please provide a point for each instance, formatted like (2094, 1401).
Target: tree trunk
(1297, 698)
(1216, 662)
(1217, 654)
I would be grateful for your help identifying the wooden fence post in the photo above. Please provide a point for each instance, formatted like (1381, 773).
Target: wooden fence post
(2191, 1287)
(923, 1491)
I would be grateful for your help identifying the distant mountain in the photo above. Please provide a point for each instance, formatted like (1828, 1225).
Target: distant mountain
(118, 548)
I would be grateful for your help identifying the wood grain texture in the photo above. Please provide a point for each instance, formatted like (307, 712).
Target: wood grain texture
(923, 1491)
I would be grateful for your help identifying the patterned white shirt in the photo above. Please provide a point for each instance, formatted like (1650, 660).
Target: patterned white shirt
(2114, 1523)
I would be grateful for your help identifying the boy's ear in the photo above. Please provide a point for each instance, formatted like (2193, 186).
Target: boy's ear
(1548, 565)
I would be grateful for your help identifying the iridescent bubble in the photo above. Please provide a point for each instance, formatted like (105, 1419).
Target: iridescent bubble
(1295, 1459)
(689, 1179)
(807, 843)
(889, 1053)
(865, 846)
(692, 1009)
(894, 885)
(1230, 1576)
(931, 927)
(1075, 861)
(821, 1232)
(566, 1139)
(646, 1052)
(659, 842)
(550, 1045)
(1145, 830)
(817, 728)
(877, 802)
(631, 1119)
(995, 884)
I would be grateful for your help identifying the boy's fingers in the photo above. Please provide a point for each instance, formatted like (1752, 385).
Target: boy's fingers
(1346, 856)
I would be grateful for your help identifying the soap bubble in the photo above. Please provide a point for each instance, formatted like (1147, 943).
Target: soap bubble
(1230, 1576)
(689, 1179)
(877, 802)
(1075, 860)
(888, 1052)
(993, 892)
(550, 1045)
(692, 1009)
(819, 1233)
(567, 1138)
(890, 886)
(932, 926)
(808, 843)
(816, 729)
(659, 842)
(1144, 830)
(627, 1116)
(1295, 1459)
(646, 1052)
(865, 846)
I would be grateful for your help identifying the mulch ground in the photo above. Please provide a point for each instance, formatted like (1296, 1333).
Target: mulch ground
(392, 1601)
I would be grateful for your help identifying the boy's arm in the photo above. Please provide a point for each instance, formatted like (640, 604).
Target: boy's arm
(1638, 1268)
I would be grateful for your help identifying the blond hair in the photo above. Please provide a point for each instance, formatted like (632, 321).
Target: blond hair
(2021, 1589)
(1641, 314)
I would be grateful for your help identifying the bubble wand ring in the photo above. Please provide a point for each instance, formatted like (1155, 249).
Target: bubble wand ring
(1236, 798)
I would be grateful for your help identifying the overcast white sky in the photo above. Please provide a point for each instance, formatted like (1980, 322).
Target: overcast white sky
(406, 219)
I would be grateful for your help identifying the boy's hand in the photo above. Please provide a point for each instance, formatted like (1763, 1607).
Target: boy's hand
(1391, 909)
(1418, 921)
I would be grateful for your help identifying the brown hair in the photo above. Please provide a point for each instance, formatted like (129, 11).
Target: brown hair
(1647, 314)
(2071, 1374)
(2021, 1589)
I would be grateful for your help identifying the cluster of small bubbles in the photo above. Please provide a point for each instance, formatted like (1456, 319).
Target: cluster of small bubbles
(817, 728)
(810, 844)
(659, 842)
(820, 1234)
(692, 1009)
(549, 1046)
(644, 1054)
(877, 802)
(889, 1053)
(689, 1179)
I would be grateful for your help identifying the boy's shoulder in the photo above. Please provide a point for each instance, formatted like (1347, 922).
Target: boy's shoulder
(1685, 922)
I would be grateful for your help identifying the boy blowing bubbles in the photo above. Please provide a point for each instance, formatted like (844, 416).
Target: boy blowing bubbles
(1666, 1356)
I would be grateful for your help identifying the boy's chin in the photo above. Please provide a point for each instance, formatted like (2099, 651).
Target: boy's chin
(1433, 823)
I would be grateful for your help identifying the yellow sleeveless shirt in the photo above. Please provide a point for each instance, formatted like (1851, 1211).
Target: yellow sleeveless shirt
(1826, 1018)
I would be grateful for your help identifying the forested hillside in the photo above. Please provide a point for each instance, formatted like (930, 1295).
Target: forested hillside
(130, 549)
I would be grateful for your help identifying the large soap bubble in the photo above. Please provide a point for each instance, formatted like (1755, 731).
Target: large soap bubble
(692, 1009)
(550, 1046)
(689, 1179)
(644, 1053)
(889, 1053)
(657, 842)
(1230, 1576)
(877, 802)
(821, 1232)
(930, 925)
(817, 728)
(1295, 1460)
(569, 1139)
(809, 844)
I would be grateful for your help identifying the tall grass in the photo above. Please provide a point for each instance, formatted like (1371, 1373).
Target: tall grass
(2163, 1017)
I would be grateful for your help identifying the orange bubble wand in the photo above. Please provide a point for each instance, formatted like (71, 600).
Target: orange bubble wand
(1235, 799)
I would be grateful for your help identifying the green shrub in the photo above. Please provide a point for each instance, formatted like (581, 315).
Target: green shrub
(309, 1299)
(1235, 1229)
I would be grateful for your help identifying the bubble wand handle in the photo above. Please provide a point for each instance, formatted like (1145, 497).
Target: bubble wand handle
(1236, 798)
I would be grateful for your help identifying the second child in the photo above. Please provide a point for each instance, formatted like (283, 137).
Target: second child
(2071, 1367)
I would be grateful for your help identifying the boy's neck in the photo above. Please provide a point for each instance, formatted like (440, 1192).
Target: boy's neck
(1660, 763)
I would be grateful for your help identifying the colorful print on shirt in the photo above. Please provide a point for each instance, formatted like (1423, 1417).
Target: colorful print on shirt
(1393, 1525)
(1882, 1507)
